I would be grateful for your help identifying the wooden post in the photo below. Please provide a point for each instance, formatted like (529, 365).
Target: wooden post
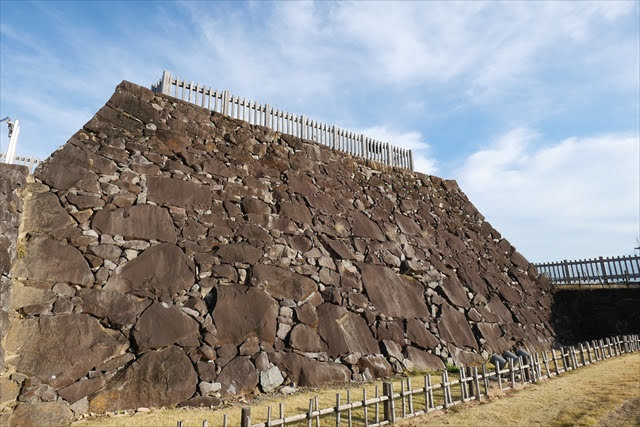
(583, 360)
(389, 407)
(404, 410)
(522, 370)
(431, 402)
(205, 423)
(165, 85)
(349, 407)
(411, 160)
(179, 424)
(463, 386)
(337, 409)
(485, 380)
(364, 406)
(225, 420)
(426, 394)
(303, 127)
(476, 382)
(245, 417)
(589, 353)
(377, 420)
(445, 385)
(499, 376)
(545, 360)
(225, 102)
(389, 159)
(310, 414)
(409, 389)
(512, 374)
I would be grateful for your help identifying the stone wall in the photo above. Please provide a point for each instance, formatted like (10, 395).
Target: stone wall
(177, 256)
(12, 180)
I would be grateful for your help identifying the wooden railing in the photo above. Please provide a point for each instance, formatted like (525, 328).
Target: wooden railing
(284, 122)
(604, 271)
(472, 384)
(30, 162)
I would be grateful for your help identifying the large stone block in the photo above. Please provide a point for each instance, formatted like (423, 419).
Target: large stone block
(136, 222)
(307, 372)
(344, 332)
(46, 414)
(161, 270)
(176, 192)
(59, 349)
(161, 325)
(381, 282)
(158, 378)
(241, 312)
(50, 261)
(281, 283)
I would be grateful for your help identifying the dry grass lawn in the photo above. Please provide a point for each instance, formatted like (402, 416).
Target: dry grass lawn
(606, 394)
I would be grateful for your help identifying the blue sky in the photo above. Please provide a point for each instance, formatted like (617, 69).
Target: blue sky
(533, 107)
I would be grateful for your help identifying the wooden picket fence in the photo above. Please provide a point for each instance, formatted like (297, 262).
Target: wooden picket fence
(30, 162)
(281, 121)
(595, 271)
(472, 383)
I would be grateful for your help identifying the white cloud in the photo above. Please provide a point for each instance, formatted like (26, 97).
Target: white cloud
(574, 198)
(412, 140)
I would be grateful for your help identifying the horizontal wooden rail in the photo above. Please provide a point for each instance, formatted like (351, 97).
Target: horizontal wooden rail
(602, 271)
(281, 121)
(471, 384)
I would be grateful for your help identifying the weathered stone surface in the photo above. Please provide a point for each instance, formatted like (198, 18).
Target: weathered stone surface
(423, 360)
(161, 325)
(380, 282)
(80, 389)
(69, 167)
(161, 270)
(49, 261)
(176, 192)
(42, 212)
(418, 334)
(136, 222)
(238, 377)
(454, 328)
(242, 312)
(239, 252)
(119, 309)
(307, 372)
(344, 332)
(492, 333)
(454, 292)
(60, 349)
(392, 350)
(270, 379)
(158, 378)
(8, 391)
(281, 283)
(201, 402)
(44, 414)
(365, 227)
(377, 366)
(306, 339)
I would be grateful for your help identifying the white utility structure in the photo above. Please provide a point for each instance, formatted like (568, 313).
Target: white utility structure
(14, 131)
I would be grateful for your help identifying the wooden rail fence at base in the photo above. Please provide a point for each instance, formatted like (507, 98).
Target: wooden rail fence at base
(470, 385)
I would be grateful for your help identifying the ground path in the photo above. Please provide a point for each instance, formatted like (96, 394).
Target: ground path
(604, 394)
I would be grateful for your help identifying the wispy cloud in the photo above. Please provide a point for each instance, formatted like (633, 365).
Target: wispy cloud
(556, 199)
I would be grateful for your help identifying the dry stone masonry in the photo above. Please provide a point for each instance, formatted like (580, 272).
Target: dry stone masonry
(175, 256)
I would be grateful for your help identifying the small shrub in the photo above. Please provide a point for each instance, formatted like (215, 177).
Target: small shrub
(453, 369)
(21, 250)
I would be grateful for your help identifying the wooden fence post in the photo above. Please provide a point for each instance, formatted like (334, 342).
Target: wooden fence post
(476, 382)
(485, 379)
(498, 375)
(445, 386)
(245, 417)
(389, 406)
